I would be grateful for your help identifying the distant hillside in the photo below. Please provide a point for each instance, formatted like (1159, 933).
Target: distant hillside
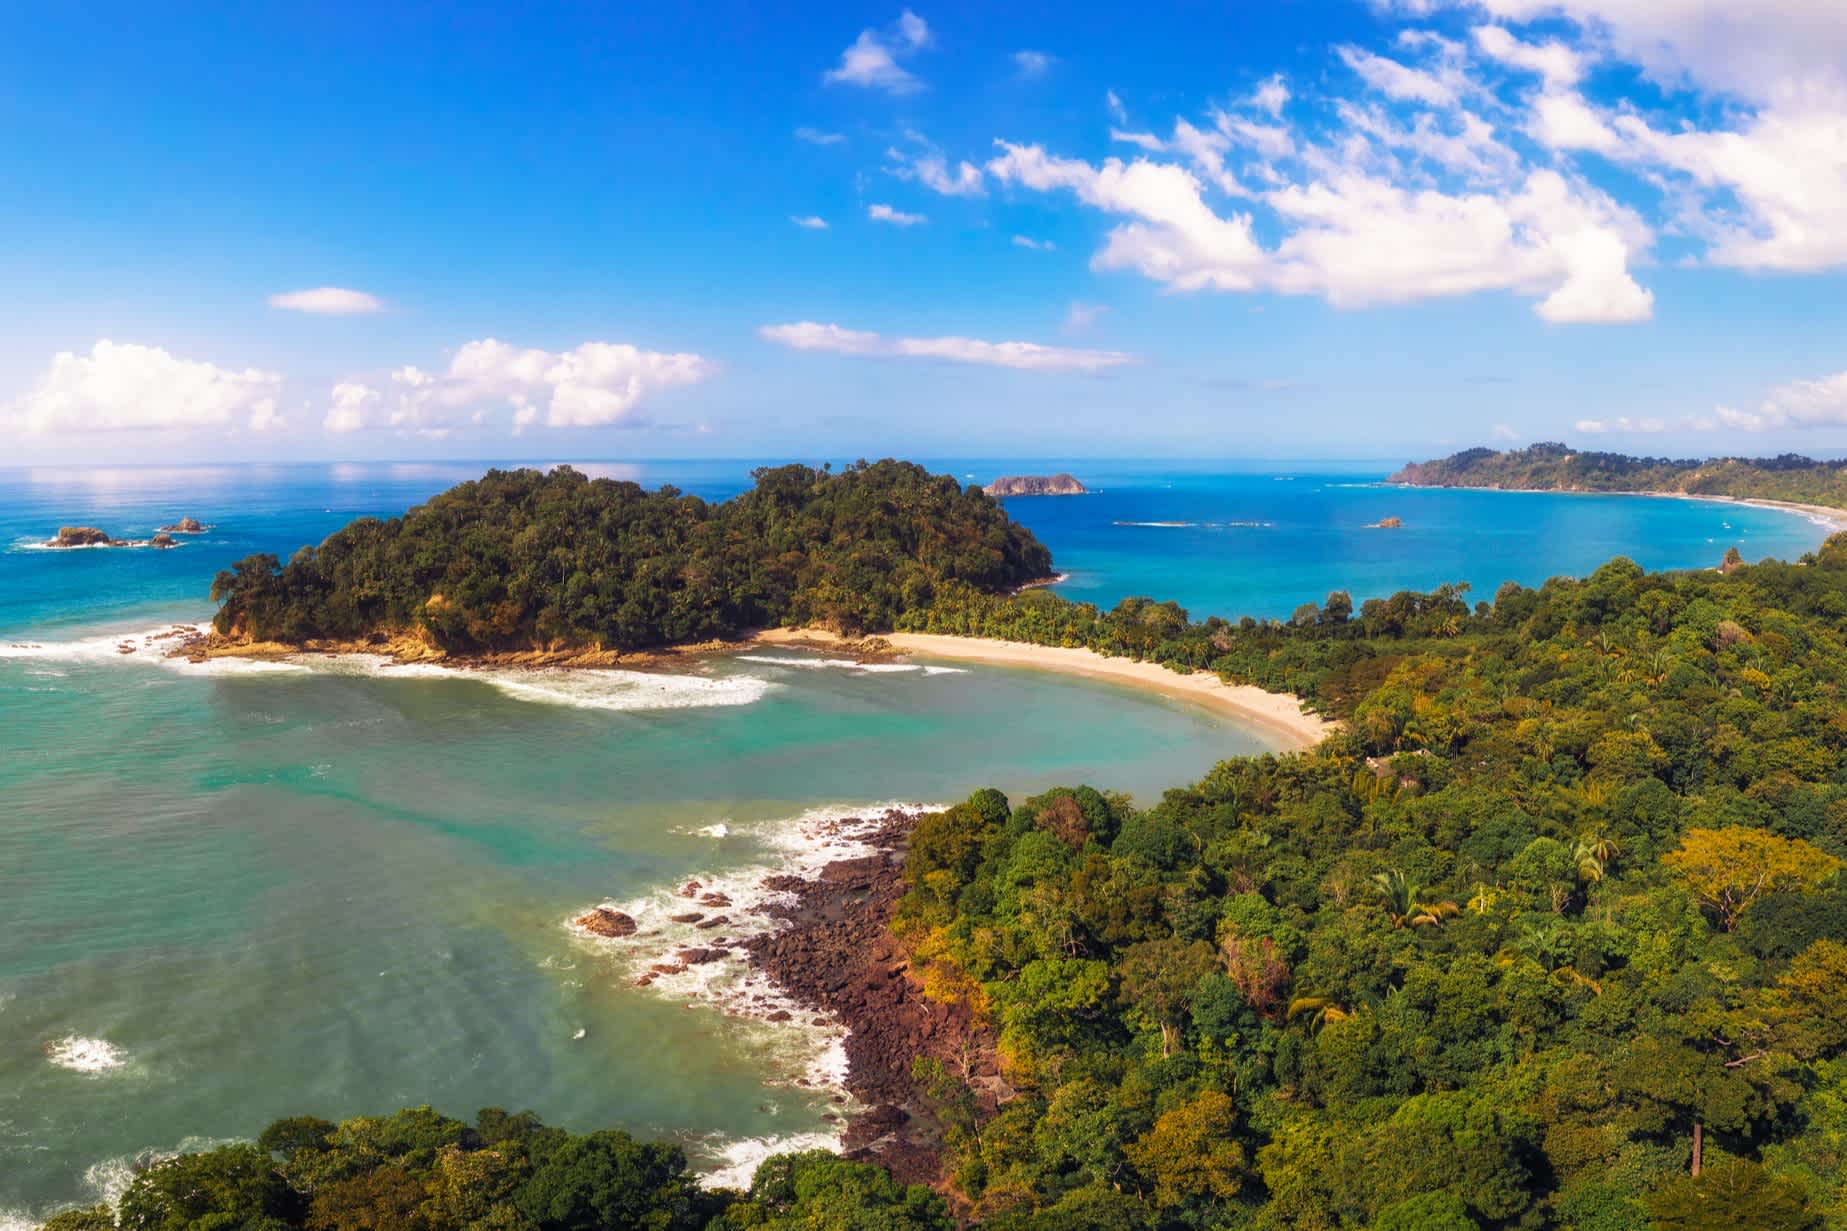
(520, 559)
(1550, 466)
(1036, 485)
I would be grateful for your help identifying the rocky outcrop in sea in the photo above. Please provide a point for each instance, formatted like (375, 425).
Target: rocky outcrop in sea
(1036, 485)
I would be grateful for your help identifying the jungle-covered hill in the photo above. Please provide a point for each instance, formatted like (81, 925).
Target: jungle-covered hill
(524, 558)
(1550, 466)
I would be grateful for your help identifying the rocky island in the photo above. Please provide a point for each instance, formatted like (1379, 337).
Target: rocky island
(185, 525)
(1036, 485)
(90, 536)
(84, 536)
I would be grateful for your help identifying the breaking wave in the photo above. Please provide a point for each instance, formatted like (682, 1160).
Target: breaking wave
(733, 906)
(85, 1055)
(580, 688)
(845, 664)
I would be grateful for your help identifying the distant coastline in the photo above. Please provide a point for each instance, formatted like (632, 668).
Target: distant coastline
(1833, 520)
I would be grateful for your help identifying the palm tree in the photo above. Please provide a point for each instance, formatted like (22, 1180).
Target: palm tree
(1321, 1009)
(1404, 901)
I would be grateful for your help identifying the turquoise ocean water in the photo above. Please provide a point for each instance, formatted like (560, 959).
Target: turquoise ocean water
(231, 893)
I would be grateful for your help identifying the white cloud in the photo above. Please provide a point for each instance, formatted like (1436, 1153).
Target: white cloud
(1037, 245)
(816, 136)
(811, 222)
(1116, 109)
(598, 384)
(328, 301)
(897, 217)
(350, 407)
(1594, 427)
(121, 386)
(1272, 96)
(1503, 431)
(1799, 404)
(1146, 141)
(933, 171)
(1033, 64)
(1769, 51)
(1082, 316)
(1556, 63)
(1397, 80)
(1030, 356)
(1358, 239)
(872, 60)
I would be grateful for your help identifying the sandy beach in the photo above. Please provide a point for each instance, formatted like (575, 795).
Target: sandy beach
(1278, 713)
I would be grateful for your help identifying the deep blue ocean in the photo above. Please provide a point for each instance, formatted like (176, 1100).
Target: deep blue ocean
(231, 892)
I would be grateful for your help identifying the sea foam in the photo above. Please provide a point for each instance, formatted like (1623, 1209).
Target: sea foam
(599, 689)
(85, 1055)
(808, 1044)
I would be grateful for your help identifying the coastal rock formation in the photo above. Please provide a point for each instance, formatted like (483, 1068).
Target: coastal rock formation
(1035, 485)
(606, 922)
(1734, 560)
(838, 955)
(185, 525)
(83, 536)
(1386, 523)
(163, 539)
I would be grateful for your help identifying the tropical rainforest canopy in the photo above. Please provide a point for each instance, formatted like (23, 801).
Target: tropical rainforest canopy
(1550, 466)
(523, 558)
(1558, 912)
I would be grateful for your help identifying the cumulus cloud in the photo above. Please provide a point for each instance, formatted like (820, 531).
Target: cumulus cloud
(598, 384)
(1030, 356)
(809, 222)
(1413, 192)
(897, 217)
(121, 386)
(328, 301)
(872, 60)
(1799, 404)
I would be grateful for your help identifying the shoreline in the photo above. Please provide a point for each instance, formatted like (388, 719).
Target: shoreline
(803, 943)
(1279, 714)
(1831, 520)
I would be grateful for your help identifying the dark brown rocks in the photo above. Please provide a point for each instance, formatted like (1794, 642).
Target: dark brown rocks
(606, 922)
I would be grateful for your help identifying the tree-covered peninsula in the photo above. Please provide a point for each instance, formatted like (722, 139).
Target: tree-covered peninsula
(523, 559)
(1550, 466)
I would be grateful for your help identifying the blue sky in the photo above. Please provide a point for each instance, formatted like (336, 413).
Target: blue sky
(1296, 229)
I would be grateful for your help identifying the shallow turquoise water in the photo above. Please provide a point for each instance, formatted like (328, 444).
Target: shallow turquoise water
(231, 895)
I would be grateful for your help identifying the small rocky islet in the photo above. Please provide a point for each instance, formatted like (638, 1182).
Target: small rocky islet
(92, 536)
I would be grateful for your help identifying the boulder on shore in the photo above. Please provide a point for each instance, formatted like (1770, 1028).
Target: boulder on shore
(1036, 485)
(606, 922)
(185, 525)
(82, 536)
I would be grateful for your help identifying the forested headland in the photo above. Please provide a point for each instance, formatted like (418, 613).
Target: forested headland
(522, 559)
(1550, 466)
(1551, 936)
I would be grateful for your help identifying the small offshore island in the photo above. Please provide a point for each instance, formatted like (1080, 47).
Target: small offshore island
(1547, 930)
(1036, 485)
